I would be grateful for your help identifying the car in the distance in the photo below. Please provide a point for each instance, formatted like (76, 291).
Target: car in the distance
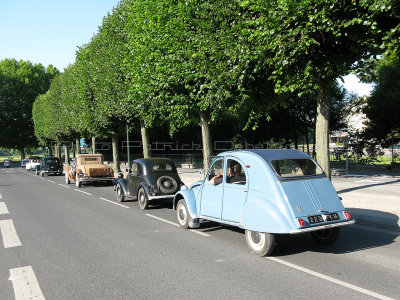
(49, 165)
(7, 163)
(148, 180)
(32, 163)
(24, 162)
(266, 193)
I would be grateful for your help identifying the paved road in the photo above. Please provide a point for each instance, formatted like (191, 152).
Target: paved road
(63, 243)
(373, 199)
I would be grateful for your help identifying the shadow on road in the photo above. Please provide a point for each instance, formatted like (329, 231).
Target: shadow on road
(366, 186)
(351, 239)
(376, 218)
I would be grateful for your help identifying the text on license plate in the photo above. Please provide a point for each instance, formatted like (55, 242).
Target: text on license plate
(322, 218)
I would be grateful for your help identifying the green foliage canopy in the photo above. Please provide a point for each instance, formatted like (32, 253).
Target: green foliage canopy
(20, 83)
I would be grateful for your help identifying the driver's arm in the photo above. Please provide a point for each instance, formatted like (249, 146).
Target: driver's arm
(216, 179)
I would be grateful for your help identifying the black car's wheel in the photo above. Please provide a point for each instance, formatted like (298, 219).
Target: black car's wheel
(261, 243)
(326, 236)
(67, 181)
(78, 183)
(142, 199)
(167, 184)
(120, 193)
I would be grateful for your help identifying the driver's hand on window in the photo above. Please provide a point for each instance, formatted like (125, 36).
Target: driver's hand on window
(216, 179)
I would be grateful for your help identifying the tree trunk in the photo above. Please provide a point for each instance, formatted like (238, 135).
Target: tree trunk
(93, 144)
(22, 151)
(115, 151)
(66, 152)
(322, 130)
(145, 140)
(73, 149)
(307, 142)
(206, 138)
(78, 146)
(57, 146)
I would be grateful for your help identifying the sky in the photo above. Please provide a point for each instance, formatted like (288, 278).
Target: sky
(50, 32)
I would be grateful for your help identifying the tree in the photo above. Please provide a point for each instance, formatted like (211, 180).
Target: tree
(20, 83)
(384, 103)
(310, 43)
(188, 62)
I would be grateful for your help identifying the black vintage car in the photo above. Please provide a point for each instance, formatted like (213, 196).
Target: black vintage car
(148, 179)
(49, 165)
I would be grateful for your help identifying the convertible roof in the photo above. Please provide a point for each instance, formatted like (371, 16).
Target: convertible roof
(274, 154)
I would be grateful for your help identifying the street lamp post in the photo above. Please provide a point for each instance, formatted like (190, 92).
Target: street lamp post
(127, 141)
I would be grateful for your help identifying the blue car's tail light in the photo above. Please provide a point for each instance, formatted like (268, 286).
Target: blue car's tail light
(301, 222)
(347, 215)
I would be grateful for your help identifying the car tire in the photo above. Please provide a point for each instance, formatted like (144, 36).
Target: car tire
(119, 193)
(167, 184)
(326, 236)
(78, 183)
(183, 215)
(42, 174)
(142, 199)
(37, 171)
(67, 181)
(260, 243)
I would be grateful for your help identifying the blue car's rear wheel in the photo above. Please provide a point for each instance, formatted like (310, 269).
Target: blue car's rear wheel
(326, 236)
(261, 243)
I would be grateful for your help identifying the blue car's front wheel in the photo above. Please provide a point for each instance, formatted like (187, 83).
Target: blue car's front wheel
(261, 243)
(182, 214)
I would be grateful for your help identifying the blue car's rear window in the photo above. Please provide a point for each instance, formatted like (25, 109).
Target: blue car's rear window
(296, 168)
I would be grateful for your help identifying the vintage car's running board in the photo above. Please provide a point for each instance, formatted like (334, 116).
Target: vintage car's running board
(161, 197)
(327, 226)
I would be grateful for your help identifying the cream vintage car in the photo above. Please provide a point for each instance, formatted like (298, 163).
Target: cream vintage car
(88, 168)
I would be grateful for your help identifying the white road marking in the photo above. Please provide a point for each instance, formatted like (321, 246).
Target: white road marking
(25, 284)
(368, 181)
(1, 197)
(104, 199)
(177, 225)
(64, 185)
(51, 181)
(83, 192)
(3, 209)
(10, 236)
(331, 279)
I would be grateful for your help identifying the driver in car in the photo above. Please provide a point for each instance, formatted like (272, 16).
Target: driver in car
(232, 175)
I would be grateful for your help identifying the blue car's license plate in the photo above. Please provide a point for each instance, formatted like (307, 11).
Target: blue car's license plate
(322, 218)
(332, 217)
(315, 219)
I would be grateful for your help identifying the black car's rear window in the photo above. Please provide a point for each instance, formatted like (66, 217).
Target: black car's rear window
(296, 167)
(161, 167)
(52, 160)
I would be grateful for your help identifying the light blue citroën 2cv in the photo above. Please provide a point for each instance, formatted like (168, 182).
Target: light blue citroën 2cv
(265, 192)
